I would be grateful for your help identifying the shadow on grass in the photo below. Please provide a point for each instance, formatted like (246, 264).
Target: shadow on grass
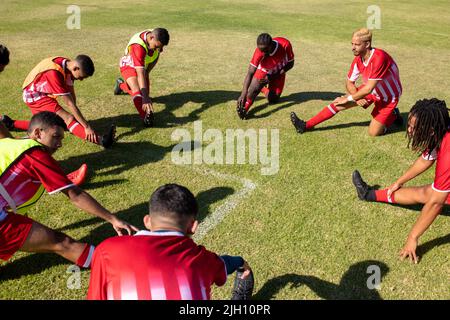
(353, 284)
(166, 118)
(123, 157)
(290, 100)
(37, 262)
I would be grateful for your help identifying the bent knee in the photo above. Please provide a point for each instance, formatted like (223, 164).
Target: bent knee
(273, 97)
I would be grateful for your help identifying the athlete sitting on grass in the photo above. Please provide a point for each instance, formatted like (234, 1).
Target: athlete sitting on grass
(163, 262)
(429, 133)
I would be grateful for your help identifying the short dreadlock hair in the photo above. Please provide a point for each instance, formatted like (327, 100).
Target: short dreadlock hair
(264, 39)
(432, 123)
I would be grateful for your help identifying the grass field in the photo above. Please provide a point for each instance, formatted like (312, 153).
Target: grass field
(303, 230)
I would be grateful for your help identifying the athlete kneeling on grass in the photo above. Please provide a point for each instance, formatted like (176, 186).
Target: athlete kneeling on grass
(163, 262)
(26, 169)
(267, 71)
(52, 78)
(141, 55)
(381, 86)
(428, 132)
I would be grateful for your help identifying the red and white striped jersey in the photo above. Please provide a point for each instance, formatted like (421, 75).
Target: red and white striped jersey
(154, 266)
(50, 82)
(380, 66)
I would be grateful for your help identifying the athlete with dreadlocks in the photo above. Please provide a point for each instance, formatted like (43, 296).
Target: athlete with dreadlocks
(428, 132)
(272, 58)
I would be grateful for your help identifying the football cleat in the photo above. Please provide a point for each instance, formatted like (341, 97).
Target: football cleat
(361, 187)
(117, 89)
(242, 288)
(242, 113)
(398, 118)
(299, 124)
(7, 121)
(149, 119)
(78, 176)
(109, 137)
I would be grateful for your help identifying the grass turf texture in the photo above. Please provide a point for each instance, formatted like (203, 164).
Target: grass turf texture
(310, 237)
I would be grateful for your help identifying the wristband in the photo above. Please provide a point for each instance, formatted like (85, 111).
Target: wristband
(350, 98)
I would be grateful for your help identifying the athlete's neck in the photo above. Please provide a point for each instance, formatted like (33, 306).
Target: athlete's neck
(366, 55)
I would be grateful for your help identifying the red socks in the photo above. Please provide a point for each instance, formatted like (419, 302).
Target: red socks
(382, 196)
(21, 124)
(78, 130)
(137, 100)
(85, 259)
(326, 113)
(248, 104)
(125, 88)
(265, 91)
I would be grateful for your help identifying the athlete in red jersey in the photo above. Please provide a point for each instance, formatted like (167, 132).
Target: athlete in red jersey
(54, 78)
(267, 71)
(164, 263)
(381, 86)
(23, 178)
(141, 55)
(428, 132)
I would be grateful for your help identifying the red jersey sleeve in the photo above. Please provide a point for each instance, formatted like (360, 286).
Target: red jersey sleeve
(218, 268)
(442, 175)
(97, 281)
(378, 66)
(353, 73)
(48, 171)
(138, 54)
(258, 55)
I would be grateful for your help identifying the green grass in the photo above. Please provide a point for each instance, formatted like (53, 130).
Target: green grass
(303, 230)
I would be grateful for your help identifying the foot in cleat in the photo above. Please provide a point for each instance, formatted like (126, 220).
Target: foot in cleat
(78, 176)
(242, 113)
(109, 138)
(398, 118)
(243, 288)
(7, 121)
(361, 187)
(299, 124)
(117, 89)
(149, 119)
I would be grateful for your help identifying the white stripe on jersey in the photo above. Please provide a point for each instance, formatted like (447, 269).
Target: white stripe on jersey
(128, 287)
(183, 285)
(157, 288)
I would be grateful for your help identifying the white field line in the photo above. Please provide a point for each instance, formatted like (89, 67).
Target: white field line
(212, 220)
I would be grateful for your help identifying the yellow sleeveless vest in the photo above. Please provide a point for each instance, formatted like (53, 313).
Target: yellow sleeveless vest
(44, 65)
(10, 150)
(136, 39)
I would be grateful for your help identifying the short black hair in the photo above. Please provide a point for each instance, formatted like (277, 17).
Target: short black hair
(162, 35)
(264, 39)
(86, 64)
(175, 202)
(44, 120)
(4, 55)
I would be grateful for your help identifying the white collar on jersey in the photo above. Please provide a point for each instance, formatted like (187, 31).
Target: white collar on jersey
(159, 233)
(276, 48)
(368, 60)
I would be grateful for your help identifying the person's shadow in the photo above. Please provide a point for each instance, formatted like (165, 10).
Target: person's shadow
(353, 284)
(124, 156)
(37, 262)
(165, 118)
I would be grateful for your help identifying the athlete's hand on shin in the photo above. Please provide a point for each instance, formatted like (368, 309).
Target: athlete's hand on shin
(147, 105)
(91, 136)
(362, 103)
(392, 188)
(409, 250)
(241, 100)
(247, 270)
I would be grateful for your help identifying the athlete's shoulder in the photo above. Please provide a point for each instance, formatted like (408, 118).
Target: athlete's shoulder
(282, 41)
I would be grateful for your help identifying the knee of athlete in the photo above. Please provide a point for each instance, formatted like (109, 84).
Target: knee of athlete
(273, 97)
(62, 242)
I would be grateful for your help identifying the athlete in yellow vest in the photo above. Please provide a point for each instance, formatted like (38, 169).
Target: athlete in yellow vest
(53, 78)
(26, 170)
(141, 55)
